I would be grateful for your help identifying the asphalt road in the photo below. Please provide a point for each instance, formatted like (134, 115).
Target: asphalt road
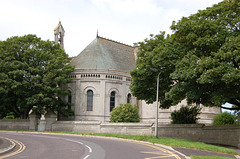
(52, 146)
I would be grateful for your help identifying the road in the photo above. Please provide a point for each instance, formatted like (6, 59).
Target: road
(52, 146)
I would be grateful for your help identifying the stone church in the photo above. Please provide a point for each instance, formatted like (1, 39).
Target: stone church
(101, 81)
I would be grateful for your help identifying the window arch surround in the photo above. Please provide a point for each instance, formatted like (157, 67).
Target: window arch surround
(89, 100)
(112, 100)
(129, 96)
(69, 98)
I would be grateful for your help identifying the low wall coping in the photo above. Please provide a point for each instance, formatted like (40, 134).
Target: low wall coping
(127, 124)
(183, 125)
(79, 122)
(222, 127)
(14, 120)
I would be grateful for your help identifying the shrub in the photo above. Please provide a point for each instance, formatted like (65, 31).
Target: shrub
(224, 119)
(124, 113)
(10, 115)
(186, 115)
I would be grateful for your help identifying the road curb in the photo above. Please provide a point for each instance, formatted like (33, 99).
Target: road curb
(8, 147)
(171, 149)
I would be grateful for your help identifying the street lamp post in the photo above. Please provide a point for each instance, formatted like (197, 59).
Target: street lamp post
(156, 118)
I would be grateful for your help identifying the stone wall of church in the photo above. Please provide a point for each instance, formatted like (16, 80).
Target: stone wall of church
(148, 113)
(102, 83)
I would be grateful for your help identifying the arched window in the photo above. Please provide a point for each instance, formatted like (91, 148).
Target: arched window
(112, 100)
(69, 99)
(89, 100)
(129, 98)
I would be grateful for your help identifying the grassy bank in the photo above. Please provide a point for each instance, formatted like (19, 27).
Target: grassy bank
(169, 142)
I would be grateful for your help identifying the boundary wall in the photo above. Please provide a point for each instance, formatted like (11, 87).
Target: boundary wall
(98, 127)
(228, 135)
(220, 135)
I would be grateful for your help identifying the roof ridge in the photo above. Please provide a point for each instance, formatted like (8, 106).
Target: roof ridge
(59, 25)
(114, 41)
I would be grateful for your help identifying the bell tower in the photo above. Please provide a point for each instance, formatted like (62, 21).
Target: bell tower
(59, 34)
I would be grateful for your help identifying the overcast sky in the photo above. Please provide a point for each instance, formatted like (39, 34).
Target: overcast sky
(126, 21)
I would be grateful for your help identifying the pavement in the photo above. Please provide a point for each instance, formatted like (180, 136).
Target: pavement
(192, 152)
(7, 145)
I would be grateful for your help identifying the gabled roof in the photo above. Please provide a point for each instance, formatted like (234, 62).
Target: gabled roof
(59, 26)
(106, 54)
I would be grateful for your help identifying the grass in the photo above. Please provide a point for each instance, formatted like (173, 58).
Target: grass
(209, 157)
(165, 141)
(168, 142)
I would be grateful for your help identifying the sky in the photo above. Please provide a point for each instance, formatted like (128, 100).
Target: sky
(125, 21)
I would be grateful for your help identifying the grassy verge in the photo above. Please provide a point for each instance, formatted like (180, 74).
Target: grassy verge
(169, 142)
(164, 141)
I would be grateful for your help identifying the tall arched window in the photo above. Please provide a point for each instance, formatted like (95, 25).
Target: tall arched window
(112, 100)
(89, 100)
(129, 98)
(69, 99)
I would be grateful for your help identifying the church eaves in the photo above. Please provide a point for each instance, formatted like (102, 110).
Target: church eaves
(106, 54)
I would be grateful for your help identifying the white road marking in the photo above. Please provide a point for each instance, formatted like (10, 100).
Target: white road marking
(90, 149)
(74, 141)
(86, 157)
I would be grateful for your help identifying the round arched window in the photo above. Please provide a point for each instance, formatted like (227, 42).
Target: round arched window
(112, 100)
(129, 96)
(89, 100)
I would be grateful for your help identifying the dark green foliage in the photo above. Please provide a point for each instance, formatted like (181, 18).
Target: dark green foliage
(32, 73)
(10, 115)
(186, 115)
(199, 62)
(157, 52)
(209, 72)
(225, 119)
(124, 113)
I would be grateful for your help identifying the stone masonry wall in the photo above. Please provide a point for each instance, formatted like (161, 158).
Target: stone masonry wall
(221, 135)
(14, 124)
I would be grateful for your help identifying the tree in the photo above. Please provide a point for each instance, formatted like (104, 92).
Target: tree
(209, 72)
(159, 52)
(225, 118)
(186, 115)
(124, 113)
(201, 64)
(32, 73)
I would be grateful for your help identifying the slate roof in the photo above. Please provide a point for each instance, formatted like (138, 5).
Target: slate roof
(103, 53)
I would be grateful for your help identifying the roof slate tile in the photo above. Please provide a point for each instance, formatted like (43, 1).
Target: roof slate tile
(102, 53)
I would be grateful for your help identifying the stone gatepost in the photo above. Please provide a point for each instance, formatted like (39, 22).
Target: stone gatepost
(238, 118)
(33, 124)
(50, 118)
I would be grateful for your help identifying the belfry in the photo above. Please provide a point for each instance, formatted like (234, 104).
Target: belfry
(59, 34)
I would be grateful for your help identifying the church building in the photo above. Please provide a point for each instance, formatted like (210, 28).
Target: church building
(101, 81)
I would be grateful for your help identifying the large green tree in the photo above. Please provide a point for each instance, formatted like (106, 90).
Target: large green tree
(207, 68)
(32, 75)
(161, 53)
